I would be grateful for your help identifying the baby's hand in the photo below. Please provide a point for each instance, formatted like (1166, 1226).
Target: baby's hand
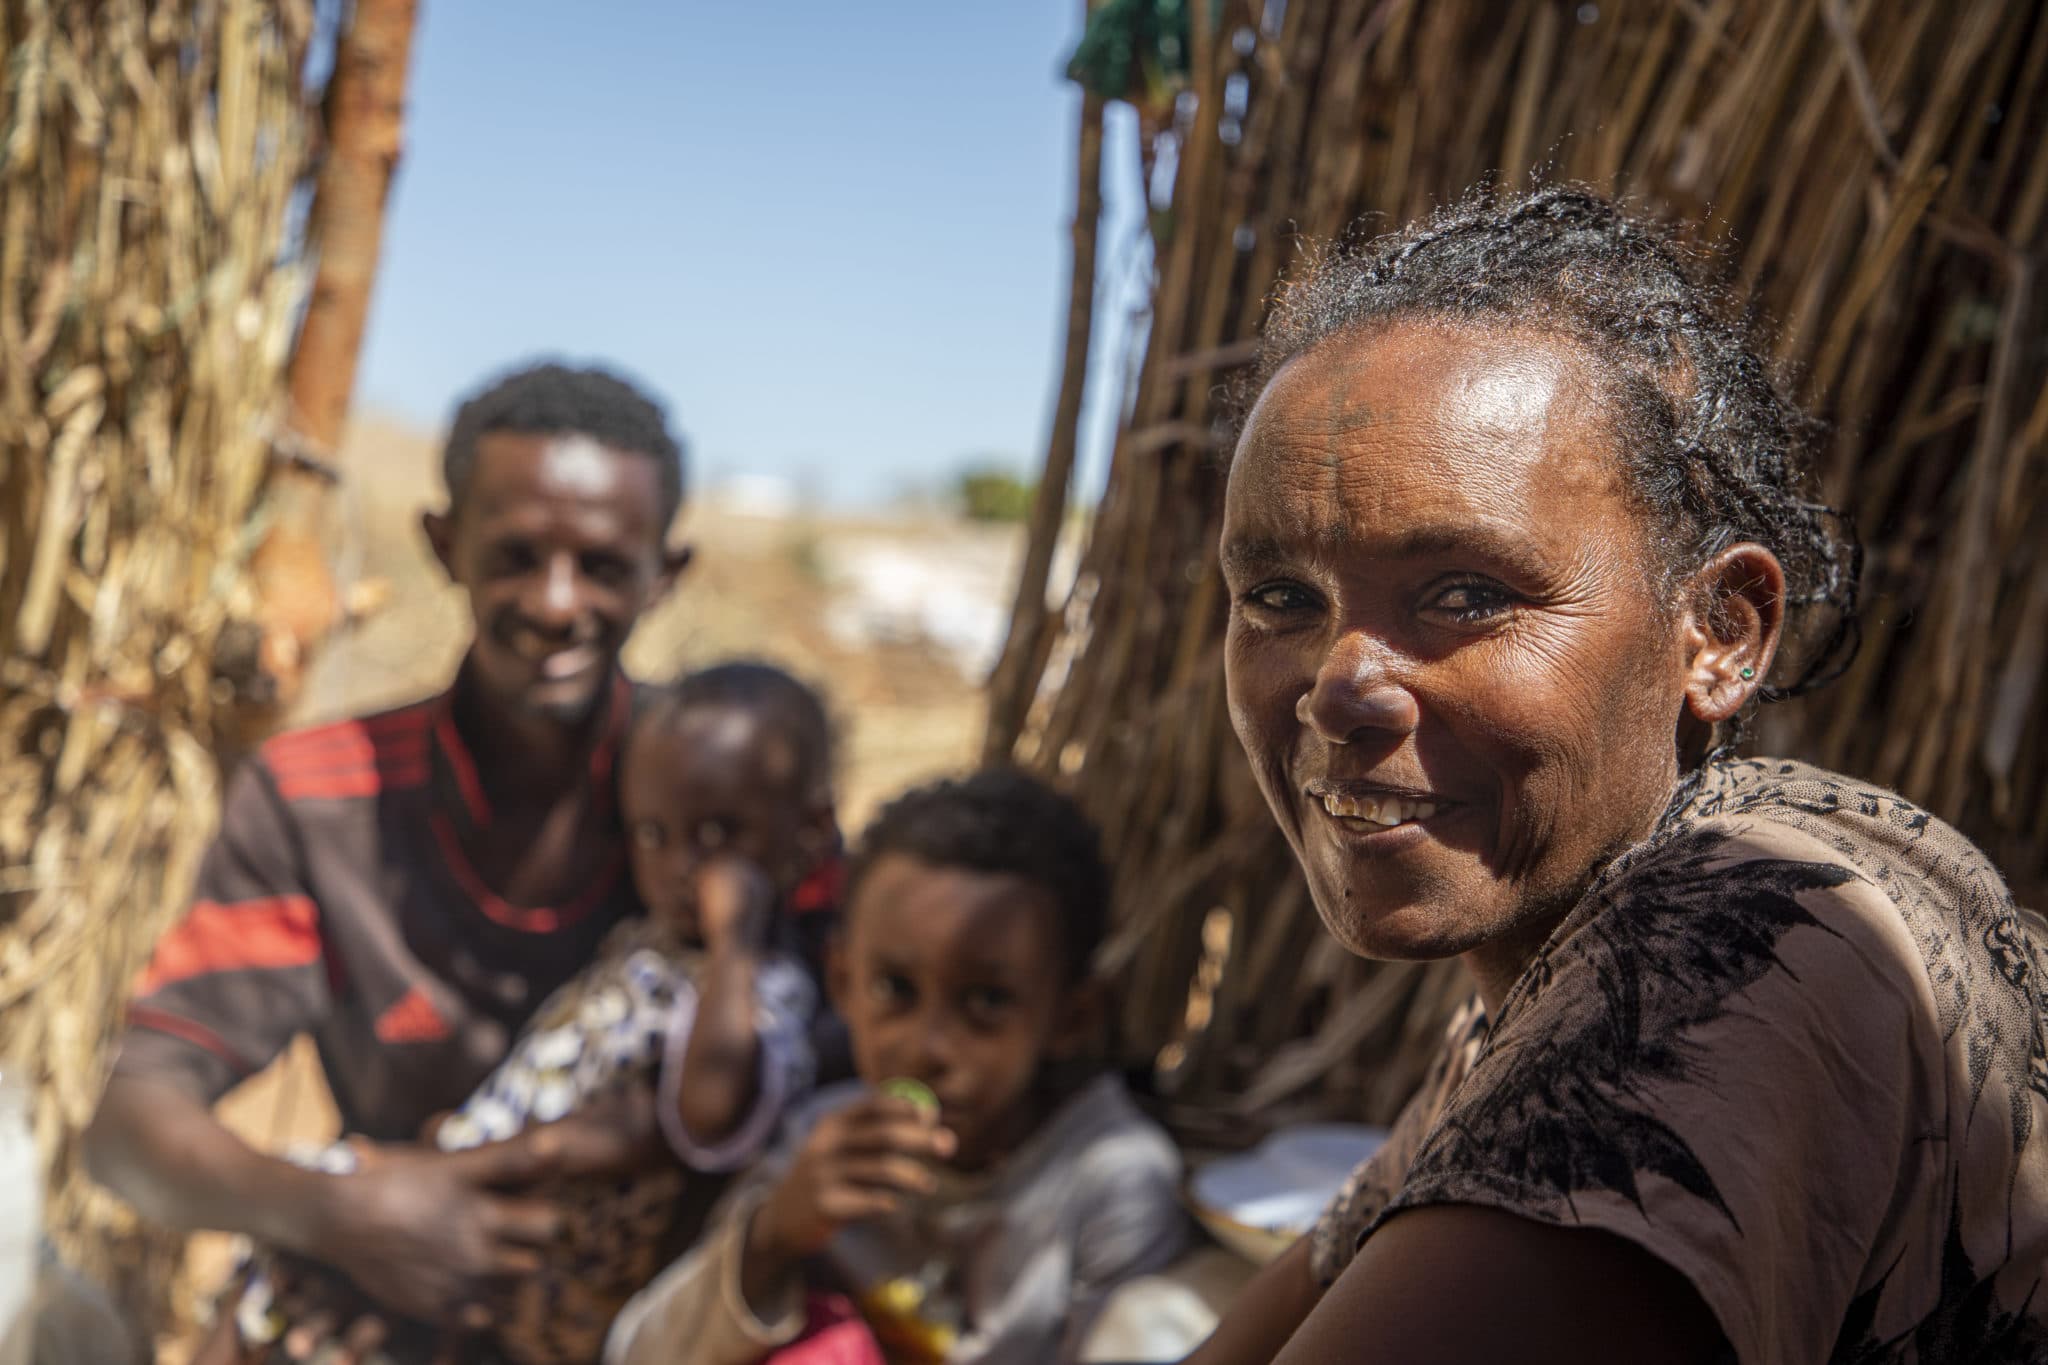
(859, 1163)
(735, 903)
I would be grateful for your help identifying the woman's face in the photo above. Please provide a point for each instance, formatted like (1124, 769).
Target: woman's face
(1449, 658)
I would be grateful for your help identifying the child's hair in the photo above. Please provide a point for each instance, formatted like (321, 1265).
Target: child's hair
(1002, 820)
(795, 712)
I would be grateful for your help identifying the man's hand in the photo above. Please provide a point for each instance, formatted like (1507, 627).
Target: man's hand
(859, 1163)
(430, 1235)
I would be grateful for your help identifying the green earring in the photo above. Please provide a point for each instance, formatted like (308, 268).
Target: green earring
(1748, 673)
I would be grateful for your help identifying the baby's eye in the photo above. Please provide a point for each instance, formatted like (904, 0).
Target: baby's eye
(990, 1001)
(711, 835)
(1472, 603)
(649, 836)
(888, 988)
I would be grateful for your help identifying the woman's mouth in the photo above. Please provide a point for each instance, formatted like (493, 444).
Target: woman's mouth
(1372, 812)
(1384, 811)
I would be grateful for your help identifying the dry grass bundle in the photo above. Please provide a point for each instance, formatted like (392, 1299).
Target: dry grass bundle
(152, 160)
(1875, 169)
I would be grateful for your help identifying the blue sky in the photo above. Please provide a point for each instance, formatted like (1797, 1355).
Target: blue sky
(833, 235)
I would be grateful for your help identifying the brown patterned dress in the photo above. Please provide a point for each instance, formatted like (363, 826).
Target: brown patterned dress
(1793, 1046)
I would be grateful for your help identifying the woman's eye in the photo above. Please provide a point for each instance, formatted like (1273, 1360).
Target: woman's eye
(1280, 597)
(889, 989)
(1470, 603)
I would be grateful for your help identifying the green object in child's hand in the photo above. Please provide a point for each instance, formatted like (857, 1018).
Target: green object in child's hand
(917, 1092)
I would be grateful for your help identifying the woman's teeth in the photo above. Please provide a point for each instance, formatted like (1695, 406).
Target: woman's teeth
(1387, 811)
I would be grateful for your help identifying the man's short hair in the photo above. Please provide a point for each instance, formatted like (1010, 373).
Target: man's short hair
(1004, 821)
(554, 399)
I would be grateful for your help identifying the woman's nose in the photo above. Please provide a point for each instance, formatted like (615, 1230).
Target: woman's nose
(1354, 695)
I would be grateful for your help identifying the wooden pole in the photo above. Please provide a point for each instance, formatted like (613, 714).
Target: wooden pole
(365, 136)
(1011, 685)
(299, 602)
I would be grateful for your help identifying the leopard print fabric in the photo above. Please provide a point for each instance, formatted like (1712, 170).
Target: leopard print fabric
(613, 1024)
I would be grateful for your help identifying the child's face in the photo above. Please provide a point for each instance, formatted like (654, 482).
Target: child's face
(954, 978)
(713, 782)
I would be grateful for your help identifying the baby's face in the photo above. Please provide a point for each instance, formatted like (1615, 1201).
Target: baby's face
(712, 782)
(954, 978)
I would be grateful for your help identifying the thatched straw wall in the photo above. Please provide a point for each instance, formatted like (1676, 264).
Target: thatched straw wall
(1876, 171)
(151, 158)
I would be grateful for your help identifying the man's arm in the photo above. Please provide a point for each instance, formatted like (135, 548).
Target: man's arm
(161, 1149)
(427, 1234)
(225, 990)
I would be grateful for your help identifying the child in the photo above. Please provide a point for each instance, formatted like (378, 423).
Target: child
(725, 790)
(973, 1197)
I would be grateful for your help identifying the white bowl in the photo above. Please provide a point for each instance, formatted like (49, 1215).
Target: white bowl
(1260, 1202)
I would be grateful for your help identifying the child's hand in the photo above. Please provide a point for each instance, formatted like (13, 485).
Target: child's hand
(735, 903)
(859, 1163)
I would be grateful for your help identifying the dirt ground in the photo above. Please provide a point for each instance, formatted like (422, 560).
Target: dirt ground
(892, 618)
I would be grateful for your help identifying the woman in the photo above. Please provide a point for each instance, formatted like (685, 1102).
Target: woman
(1515, 537)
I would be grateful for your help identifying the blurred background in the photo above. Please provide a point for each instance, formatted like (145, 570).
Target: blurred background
(948, 300)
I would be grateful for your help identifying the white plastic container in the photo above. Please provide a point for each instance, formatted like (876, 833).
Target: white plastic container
(21, 1214)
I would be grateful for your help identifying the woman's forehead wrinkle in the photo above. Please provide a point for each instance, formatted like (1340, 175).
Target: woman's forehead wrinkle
(1360, 445)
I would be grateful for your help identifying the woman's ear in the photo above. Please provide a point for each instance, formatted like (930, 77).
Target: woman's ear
(1732, 629)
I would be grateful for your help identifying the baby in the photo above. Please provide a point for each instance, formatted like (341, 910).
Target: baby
(978, 1193)
(725, 790)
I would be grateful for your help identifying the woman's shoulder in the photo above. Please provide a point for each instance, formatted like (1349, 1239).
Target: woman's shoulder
(1867, 827)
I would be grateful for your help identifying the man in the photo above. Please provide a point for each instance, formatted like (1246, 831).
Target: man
(408, 887)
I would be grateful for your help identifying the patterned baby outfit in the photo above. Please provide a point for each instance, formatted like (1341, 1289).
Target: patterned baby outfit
(626, 1019)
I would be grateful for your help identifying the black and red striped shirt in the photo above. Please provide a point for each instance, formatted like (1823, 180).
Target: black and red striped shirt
(337, 901)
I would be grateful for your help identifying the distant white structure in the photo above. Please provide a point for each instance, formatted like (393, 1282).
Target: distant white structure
(952, 592)
(768, 496)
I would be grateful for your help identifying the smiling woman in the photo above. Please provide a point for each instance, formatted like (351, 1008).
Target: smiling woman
(1515, 532)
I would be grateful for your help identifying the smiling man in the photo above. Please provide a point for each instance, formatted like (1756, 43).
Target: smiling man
(407, 887)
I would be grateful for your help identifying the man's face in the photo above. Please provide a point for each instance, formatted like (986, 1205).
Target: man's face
(558, 541)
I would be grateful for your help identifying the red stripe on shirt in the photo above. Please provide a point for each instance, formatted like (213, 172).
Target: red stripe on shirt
(352, 753)
(392, 729)
(163, 1021)
(539, 919)
(353, 783)
(604, 757)
(352, 758)
(412, 1020)
(823, 889)
(253, 935)
(460, 763)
